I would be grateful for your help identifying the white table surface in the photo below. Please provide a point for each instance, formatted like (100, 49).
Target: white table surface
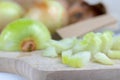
(113, 7)
(7, 76)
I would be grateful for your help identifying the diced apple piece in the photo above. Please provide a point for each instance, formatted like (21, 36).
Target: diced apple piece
(103, 59)
(50, 52)
(114, 54)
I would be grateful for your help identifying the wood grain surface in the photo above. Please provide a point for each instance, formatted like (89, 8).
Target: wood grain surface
(37, 67)
(80, 28)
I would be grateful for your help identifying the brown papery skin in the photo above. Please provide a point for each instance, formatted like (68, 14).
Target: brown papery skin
(28, 45)
(80, 10)
(65, 4)
(42, 5)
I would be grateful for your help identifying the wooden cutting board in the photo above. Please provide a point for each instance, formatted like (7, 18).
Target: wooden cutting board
(36, 67)
(81, 28)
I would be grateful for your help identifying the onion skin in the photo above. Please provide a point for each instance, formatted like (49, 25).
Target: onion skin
(9, 11)
(24, 35)
(51, 13)
(80, 10)
(65, 4)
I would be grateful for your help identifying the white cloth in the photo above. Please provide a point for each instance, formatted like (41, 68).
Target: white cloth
(92, 2)
(8, 76)
(111, 5)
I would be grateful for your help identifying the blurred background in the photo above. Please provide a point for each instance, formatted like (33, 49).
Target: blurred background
(76, 10)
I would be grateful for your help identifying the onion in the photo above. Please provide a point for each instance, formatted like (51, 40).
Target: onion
(9, 11)
(64, 3)
(49, 12)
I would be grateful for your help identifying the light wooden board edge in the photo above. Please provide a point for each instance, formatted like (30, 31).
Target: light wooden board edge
(81, 28)
(22, 68)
